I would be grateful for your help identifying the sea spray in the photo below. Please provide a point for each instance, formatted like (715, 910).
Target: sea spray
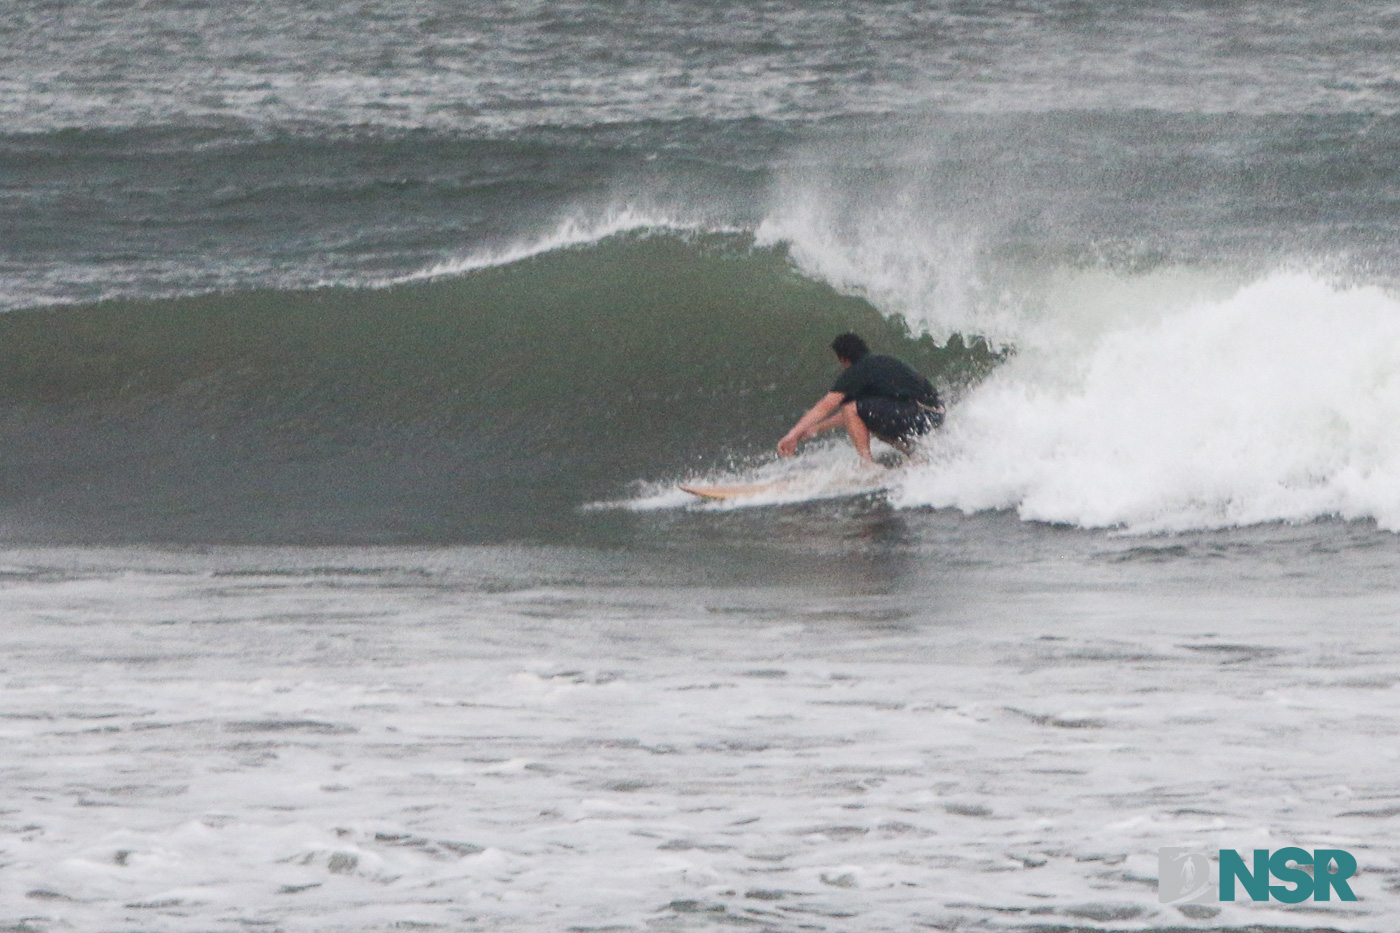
(1277, 403)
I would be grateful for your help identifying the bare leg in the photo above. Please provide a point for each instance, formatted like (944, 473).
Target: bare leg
(847, 417)
(857, 431)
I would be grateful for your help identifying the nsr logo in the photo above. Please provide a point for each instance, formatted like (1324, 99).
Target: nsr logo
(1184, 875)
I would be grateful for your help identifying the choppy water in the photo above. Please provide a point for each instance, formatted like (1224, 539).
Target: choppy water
(896, 734)
(352, 355)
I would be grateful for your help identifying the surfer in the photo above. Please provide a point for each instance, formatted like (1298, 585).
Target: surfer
(874, 394)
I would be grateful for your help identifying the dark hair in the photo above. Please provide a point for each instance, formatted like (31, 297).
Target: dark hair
(849, 347)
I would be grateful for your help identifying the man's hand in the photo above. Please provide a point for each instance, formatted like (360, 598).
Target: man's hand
(814, 422)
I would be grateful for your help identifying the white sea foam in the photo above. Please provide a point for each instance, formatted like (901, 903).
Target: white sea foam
(1175, 399)
(825, 470)
(1164, 401)
(314, 740)
(1277, 402)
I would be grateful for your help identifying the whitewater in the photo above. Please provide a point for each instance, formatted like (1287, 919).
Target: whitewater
(352, 357)
(472, 738)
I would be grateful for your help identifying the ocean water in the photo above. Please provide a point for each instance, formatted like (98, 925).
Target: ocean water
(352, 356)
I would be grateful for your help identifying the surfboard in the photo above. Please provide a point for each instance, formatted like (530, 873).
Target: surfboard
(734, 492)
(816, 484)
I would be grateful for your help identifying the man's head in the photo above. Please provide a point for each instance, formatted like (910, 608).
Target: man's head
(849, 348)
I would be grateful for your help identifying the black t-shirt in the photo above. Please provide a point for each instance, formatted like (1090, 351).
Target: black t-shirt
(874, 376)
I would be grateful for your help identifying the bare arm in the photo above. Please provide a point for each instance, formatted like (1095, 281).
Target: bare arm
(806, 426)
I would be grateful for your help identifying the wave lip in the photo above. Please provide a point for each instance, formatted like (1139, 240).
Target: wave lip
(1278, 403)
(568, 233)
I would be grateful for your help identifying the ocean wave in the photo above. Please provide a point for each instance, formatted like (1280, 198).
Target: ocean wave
(573, 230)
(493, 396)
(484, 405)
(1274, 402)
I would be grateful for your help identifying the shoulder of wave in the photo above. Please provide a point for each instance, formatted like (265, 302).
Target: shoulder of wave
(570, 233)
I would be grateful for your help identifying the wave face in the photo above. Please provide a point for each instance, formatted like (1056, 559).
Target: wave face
(483, 406)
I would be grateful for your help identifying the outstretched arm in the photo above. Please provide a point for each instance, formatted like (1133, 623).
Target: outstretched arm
(810, 423)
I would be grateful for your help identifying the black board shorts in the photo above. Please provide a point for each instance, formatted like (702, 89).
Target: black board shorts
(895, 421)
